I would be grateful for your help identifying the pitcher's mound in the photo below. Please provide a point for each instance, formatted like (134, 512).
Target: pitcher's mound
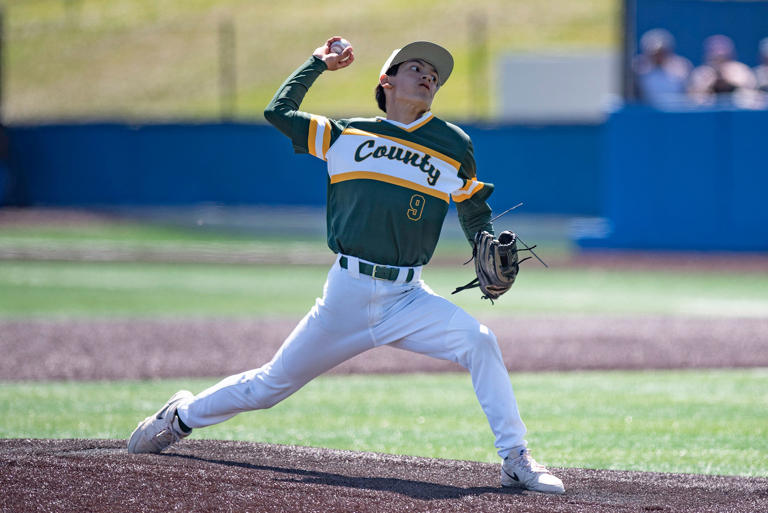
(205, 475)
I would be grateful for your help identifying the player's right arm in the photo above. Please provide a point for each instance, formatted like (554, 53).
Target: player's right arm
(309, 133)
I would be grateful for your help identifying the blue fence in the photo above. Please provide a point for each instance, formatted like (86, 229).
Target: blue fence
(553, 169)
(663, 180)
(685, 180)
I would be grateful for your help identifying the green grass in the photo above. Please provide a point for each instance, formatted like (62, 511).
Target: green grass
(146, 289)
(270, 232)
(106, 289)
(710, 422)
(144, 58)
(137, 243)
(134, 233)
(40, 289)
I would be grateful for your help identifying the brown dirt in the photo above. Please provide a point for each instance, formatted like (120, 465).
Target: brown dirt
(137, 349)
(98, 475)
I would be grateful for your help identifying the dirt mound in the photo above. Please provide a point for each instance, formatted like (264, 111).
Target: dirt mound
(88, 349)
(98, 475)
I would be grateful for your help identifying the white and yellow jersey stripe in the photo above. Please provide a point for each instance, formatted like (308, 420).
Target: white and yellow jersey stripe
(470, 188)
(319, 138)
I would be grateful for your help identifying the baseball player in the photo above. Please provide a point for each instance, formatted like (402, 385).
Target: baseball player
(390, 180)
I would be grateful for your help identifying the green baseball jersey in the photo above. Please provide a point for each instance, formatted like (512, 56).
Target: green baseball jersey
(389, 184)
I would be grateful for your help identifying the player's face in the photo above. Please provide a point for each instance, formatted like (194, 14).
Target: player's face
(415, 82)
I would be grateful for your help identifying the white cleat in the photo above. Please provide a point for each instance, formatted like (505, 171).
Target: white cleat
(157, 431)
(522, 471)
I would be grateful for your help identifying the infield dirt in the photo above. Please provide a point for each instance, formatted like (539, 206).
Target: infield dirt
(99, 475)
(91, 349)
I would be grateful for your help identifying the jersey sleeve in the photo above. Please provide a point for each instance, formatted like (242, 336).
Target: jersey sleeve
(474, 212)
(314, 134)
(309, 133)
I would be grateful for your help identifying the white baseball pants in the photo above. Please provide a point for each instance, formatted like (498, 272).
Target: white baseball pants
(357, 313)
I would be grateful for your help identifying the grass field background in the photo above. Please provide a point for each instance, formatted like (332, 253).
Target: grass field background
(109, 289)
(678, 421)
(710, 422)
(139, 59)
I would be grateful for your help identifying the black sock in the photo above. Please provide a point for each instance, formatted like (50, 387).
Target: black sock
(183, 426)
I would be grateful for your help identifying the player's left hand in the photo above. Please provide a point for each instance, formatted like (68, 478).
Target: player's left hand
(496, 264)
(333, 60)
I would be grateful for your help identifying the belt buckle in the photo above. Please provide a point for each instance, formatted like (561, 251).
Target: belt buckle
(373, 272)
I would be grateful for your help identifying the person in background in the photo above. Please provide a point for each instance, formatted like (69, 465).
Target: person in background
(761, 71)
(661, 76)
(722, 79)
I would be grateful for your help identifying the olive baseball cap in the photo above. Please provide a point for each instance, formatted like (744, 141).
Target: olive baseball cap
(436, 55)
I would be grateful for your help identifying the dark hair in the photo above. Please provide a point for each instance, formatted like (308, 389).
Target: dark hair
(381, 100)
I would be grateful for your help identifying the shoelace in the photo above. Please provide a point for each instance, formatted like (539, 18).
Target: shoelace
(165, 438)
(530, 463)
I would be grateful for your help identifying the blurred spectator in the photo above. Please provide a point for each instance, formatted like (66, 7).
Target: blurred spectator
(661, 76)
(5, 173)
(761, 71)
(723, 79)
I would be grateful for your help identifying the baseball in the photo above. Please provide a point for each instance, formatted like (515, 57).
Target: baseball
(338, 46)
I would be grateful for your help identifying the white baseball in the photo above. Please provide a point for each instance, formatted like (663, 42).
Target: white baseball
(338, 46)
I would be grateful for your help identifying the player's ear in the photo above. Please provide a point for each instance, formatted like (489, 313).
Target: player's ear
(384, 81)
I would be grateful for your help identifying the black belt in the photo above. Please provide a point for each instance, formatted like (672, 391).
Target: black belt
(378, 271)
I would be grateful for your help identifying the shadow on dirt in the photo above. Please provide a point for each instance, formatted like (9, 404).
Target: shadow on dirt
(415, 489)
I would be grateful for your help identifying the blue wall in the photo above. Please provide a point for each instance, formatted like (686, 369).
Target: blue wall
(553, 169)
(114, 164)
(663, 180)
(685, 180)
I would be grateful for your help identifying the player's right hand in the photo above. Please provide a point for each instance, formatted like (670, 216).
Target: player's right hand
(332, 60)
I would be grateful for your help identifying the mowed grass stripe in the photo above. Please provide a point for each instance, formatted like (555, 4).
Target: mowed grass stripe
(161, 289)
(711, 422)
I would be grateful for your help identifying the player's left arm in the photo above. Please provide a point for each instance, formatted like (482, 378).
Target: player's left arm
(471, 205)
